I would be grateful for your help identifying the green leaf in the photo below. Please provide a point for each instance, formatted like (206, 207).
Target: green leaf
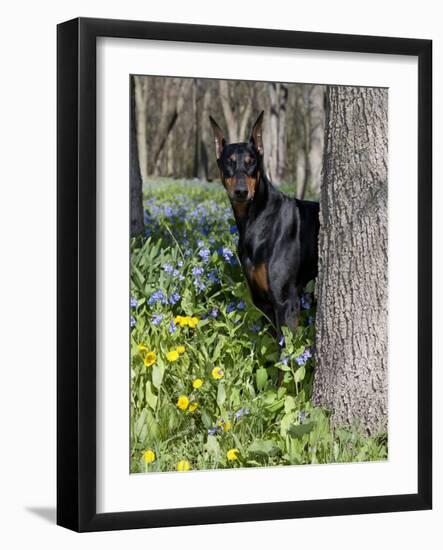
(289, 404)
(158, 370)
(261, 378)
(218, 348)
(300, 430)
(299, 374)
(151, 398)
(221, 394)
(263, 447)
(213, 447)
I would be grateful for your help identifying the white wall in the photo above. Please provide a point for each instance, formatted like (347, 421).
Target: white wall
(27, 218)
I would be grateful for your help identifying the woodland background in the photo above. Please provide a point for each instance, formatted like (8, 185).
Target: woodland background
(174, 136)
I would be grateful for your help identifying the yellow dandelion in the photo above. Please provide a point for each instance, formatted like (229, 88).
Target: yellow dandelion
(180, 350)
(172, 356)
(180, 320)
(142, 347)
(217, 373)
(149, 456)
(182, 402)
(232, 454)
(198, 383)
(150, 358)
(183, 466)
(192, 322)
(193, 407)
(227, 426)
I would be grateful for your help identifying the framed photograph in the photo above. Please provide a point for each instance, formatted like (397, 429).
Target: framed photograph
(244, 274)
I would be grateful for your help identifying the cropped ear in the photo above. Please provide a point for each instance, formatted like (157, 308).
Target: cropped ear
(256, 137)
(219, 138)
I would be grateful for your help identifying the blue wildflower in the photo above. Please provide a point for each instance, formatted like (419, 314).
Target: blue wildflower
(302, 416)
(168, 268)
(212, 431)
(241, 412)
(134, 302)
(212, 276)
(255, 327)
(241, 305)
(227, 254)
(180, 263)
(305, 300)
(174, 298)
(157, 318)
(230, 308)
(133, 321)
(214, 313)
(197, 271)
(301, 359)
(281, 342)
(172, 327)
(199, 285)
(204, 254)
(157, 296)
(233, 229)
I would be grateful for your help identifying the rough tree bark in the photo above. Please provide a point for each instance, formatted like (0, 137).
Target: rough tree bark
(352, 322)
(135, 180)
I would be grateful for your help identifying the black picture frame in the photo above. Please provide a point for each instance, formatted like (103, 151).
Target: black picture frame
(76, 273)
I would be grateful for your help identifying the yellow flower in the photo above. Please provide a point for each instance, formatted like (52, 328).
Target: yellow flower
(198, 383)
(150, 358)
(142, 347)
(232, 454)
(192, 322)
(183, 466)
(193, 407)
(179, 320)
(182, 402)
(227, 426)
(217, 373)
(180, 350)
(149, 456)
(172, 356)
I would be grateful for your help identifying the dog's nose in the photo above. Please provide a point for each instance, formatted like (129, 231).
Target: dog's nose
(241, 193)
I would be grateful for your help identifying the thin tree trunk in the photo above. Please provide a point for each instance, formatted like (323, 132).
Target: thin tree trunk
(352, 322)
(135, 180)
(141, 97)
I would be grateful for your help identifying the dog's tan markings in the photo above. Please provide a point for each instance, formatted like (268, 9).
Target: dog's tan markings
(251, 183)
(259, 276)
(233, 157)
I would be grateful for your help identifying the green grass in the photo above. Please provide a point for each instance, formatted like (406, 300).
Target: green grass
(187, 266)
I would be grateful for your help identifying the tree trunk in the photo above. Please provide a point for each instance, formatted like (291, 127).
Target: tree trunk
(135, 180)
(352, 322)
(141, 98)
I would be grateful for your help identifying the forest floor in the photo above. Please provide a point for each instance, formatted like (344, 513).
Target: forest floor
(203, 364)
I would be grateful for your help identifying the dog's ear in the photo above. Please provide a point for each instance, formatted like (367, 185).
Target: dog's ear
(219, 138)
(256, 137)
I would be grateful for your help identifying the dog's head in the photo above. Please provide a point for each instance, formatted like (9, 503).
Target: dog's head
(240, 163)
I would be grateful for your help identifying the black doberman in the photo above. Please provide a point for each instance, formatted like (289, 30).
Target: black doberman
(278, 234)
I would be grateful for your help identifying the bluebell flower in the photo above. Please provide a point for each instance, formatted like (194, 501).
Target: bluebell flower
(284, 360)
(301, 359)
(305, 300)
(214, 313)
(176, 273)
(230, 308)
(281, 342)
(241, 305)
(197, 271)
(241, 412)
(174, 298)
(157, 318)
(227, 254)
(168, 268)
(180, 263)
(133, 321)
(204, 254)
(172, 327)
(157, 296)
(212, 276)
(212, 431)
(134, 302)
(199, 285)
(233, 229)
